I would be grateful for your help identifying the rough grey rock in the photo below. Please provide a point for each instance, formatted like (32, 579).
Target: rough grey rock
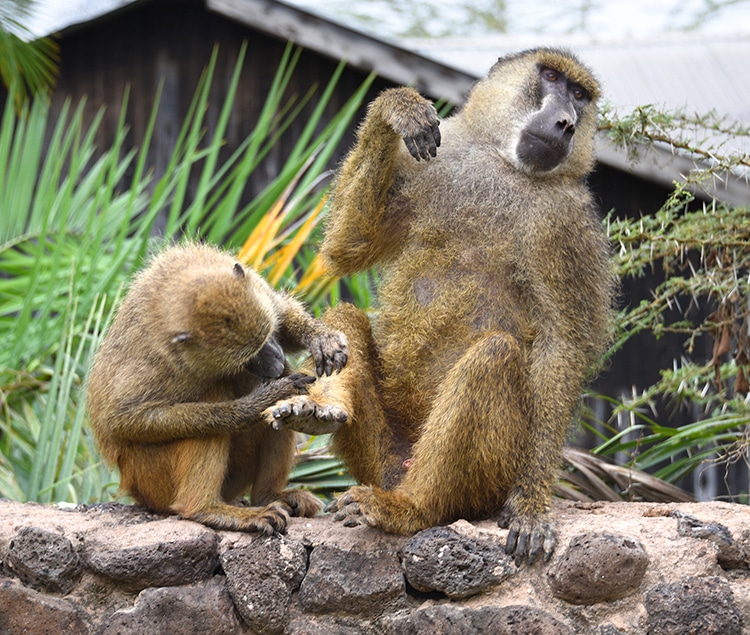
(168, 552)
(693, 606)
(730, 555)
(357, 584)
(204, 609)
(44, 560)
(307, 624)
(261, 574)
(449, 619)
(352, 581)
(28, 612)
(441, 559)
(598, 568)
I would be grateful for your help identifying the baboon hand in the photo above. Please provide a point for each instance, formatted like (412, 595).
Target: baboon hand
(330, 350)
(303, 414)
(284, 387)
(528, 536)
(300, 381)
(415, 120)
(352, 507)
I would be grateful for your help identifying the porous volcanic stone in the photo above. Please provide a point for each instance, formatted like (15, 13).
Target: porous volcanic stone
(261, 574)
(730, 553)
(27, 612)
(693, 606)
(204, 609)
(352, 581)
(598, 568)
(44, 560)
(449, 619)
(169, 552)
(441, 559)
(308, 624)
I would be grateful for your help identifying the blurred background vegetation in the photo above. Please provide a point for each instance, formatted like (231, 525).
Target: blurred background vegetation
(76, 221)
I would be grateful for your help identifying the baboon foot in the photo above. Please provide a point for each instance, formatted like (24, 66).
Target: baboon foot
(300, 503)
(269, 520)
(354, 507)
(391, 511)
(303, 414)
(528, 536)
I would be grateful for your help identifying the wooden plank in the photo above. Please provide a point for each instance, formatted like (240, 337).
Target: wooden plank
(339, 42)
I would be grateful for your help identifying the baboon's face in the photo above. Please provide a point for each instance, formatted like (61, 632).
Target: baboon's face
(230, 325)
(547, 138)
(538, 107)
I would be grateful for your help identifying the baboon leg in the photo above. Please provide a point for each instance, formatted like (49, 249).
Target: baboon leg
(366, 442)
(146, 474)
(200, 467)
(466, 459)
(274, 453)
(363, 439)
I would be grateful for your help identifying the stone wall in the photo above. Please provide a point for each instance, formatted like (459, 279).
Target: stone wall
(619, 568)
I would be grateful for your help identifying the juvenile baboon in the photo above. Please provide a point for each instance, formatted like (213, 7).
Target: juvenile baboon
(194, 355)
(495, 301)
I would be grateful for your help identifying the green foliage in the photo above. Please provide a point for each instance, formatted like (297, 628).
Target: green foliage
(702, 246)
(27, 65)
(72, 232)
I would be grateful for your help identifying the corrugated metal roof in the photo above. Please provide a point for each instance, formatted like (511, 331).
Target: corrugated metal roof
(695, 72)
(698, 73)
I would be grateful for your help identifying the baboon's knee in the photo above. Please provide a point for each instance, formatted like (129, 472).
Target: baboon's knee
(352, 321)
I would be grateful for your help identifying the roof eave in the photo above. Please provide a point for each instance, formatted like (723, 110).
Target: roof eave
(338, 42)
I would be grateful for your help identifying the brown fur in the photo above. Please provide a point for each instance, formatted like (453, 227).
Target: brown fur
(172, 405)
(495, 303)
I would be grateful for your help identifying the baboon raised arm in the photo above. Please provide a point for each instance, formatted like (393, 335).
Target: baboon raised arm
(176, 391)
(495, 301)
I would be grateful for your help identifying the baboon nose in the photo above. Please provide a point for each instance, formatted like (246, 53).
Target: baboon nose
(566, 125)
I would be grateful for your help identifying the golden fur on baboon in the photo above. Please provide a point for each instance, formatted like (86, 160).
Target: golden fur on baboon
(495, 300)
(194, 355)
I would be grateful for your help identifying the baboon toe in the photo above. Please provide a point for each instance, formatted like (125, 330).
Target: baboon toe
(303, 414)
(528, 538)
(301, 503)
(271, 519)
(352, 508)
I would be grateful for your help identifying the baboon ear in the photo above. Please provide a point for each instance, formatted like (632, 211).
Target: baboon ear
(239, 270)
(181, 337)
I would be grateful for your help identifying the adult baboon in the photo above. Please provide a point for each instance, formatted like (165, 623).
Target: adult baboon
(495, 301)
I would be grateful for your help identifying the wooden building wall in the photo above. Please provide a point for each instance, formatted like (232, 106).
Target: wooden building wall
(171, 41)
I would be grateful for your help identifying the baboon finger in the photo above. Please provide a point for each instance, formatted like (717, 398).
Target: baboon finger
(411, 146)
(429, 143)
(300, 381)
(436, 133)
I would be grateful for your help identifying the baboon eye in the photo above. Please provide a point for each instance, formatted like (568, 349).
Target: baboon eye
(550, 75)
(579, 93)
